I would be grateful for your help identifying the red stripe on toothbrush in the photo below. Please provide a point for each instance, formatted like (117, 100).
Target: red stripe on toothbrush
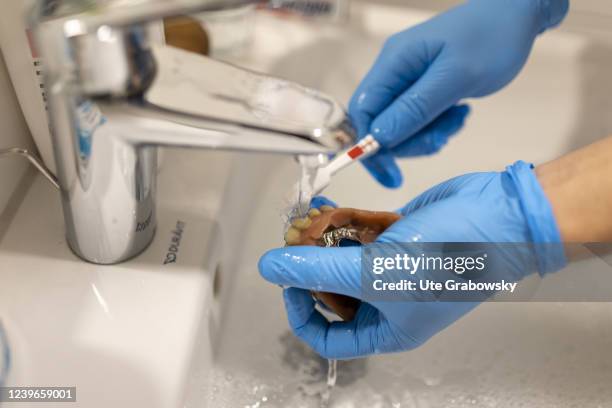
(355, 152)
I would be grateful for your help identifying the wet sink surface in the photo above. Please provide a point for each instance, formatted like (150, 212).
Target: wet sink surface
(500, 355)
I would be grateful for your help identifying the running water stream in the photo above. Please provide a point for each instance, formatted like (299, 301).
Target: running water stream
(298, 199)
(332, 374)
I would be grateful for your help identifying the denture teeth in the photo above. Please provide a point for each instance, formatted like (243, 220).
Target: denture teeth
(292, 236)
(313, 212)
(326, 208)
(301, 223)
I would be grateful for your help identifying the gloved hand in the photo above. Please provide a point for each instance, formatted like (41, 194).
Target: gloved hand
(482, 207)
(407, 99)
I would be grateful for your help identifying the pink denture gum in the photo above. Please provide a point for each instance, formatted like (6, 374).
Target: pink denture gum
(318, 228)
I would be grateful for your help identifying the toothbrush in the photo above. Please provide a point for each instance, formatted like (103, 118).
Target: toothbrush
(312, 185)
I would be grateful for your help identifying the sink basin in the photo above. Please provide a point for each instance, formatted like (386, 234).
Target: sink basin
(502, 354)
(127, 334)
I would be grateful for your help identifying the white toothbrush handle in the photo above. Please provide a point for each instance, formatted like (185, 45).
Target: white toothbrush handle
(366, 147)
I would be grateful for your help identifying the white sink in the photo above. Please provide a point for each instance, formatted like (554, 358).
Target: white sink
(502, 354)
(145, 334)
(128, 334)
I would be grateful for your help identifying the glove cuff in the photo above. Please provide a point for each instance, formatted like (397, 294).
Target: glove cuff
(540, 218)
(552, 12)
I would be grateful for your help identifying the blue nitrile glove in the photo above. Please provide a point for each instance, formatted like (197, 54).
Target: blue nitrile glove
(496, 207)
(407, 99)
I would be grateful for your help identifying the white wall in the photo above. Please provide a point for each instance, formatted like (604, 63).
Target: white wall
(586, 6)
(13, 132)
(593, 6)
(585, 15)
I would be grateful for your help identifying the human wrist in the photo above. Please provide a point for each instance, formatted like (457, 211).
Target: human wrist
(576, 188)
(554, 181)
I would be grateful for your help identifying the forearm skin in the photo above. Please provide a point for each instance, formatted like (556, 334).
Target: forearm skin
(579, 188)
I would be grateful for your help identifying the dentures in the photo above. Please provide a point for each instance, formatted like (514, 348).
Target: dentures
(329, 226)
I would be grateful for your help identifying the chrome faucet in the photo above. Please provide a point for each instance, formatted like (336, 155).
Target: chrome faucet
(114, 96)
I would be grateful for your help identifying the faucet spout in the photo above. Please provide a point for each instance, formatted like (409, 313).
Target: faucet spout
(197, 101)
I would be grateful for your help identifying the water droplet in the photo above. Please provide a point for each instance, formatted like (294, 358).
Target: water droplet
(432, 381)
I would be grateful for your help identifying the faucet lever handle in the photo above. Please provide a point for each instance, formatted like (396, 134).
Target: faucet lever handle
(99, 31)
(86, 17)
